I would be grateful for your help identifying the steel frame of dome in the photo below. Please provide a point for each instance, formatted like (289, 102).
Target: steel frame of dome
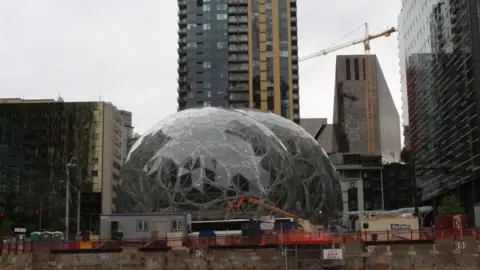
(314, 174)
(199, 160)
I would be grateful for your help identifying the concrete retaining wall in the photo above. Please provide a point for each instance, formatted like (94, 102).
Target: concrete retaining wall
(442, 255)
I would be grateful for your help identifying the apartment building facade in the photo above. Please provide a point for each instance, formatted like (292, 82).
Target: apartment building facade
(88, 133)
(239, 54)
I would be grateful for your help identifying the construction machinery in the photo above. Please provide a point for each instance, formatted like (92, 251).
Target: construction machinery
(306, 226)
(369, 100)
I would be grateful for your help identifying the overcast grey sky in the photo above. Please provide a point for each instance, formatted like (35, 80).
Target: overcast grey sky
(125, 51)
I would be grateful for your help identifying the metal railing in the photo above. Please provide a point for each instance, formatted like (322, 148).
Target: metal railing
(8, 246)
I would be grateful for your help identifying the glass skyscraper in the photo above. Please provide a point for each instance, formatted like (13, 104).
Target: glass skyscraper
(440, 52)
(239, 54)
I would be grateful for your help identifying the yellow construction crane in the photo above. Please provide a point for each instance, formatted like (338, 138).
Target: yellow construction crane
(369, 106)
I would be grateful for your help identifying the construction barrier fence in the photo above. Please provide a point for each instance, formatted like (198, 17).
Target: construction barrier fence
(8, 245)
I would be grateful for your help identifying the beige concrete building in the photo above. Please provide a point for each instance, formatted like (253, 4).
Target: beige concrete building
(107, 155)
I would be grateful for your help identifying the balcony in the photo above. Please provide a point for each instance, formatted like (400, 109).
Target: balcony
(238, 2)
(242, 19)
(238, 97)
(294, 48)
(182, 32)
(181, 101)
(238, 87)
(241, 29)
(182, 3)
(234, 77)
(238, 68)
(295, 97)
(182, 41)
(182, 71)
(238, 48)
(182, 52)
(182, 90)
(237, 10)
(182, 80)
(238, 58)
(182, 60)
(182, 22)
(182, 13)
(239, 38)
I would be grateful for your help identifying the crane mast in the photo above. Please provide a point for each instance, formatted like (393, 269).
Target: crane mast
(372, 145)
(369, 106)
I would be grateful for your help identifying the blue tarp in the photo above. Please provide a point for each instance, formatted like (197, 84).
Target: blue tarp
(206, 234)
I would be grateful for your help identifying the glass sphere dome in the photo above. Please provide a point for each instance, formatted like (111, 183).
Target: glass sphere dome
(317, 184)
(197, 160)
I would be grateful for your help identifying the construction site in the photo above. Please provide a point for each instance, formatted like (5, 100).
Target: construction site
(281, 240)
(393, 240)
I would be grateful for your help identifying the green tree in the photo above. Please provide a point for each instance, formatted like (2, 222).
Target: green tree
(450, 205)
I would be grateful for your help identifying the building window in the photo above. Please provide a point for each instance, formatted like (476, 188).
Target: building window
(348, 69)
(356, 69)
(221, 45)
(206, 7)
(222, 16)
(177, 225)
(206, 26)
(207, 64)
(142, 225)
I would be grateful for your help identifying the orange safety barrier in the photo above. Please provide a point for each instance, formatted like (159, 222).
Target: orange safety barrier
(300, 238)
(308, 238)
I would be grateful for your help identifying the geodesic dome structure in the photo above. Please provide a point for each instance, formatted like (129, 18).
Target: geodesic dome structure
(197, 160)
(316, 181)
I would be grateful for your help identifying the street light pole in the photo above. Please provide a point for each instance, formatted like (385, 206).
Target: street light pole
(67, 201)
(70, 165)
(79, 194)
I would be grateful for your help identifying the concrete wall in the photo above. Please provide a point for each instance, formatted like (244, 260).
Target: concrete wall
(442, 255)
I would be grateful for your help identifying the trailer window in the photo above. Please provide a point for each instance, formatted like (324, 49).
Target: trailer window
(177, 225)
(142, 225)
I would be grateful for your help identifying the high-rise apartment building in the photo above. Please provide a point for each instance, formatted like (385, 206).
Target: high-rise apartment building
(239, 54)
(60, 132)
(350, 110)
(439, 56)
